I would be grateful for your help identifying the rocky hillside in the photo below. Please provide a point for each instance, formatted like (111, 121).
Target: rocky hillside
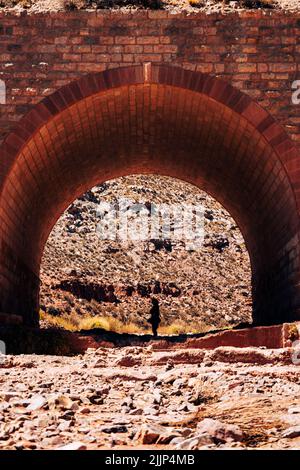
(209, 6)
(84, 276)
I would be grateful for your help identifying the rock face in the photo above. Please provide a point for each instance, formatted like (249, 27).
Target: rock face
(198, 290)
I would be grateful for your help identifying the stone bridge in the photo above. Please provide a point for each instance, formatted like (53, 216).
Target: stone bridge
(90, 96)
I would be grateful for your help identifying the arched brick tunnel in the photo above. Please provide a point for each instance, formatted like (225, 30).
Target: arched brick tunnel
(151, 119)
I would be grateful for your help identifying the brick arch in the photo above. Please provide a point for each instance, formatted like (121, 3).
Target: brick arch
(151, 119)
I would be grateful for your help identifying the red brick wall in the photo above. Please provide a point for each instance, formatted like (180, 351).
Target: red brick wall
(151, 119)
(256, 52)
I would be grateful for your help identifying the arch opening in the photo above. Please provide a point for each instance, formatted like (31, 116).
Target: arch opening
(135, 238)
(167, 121)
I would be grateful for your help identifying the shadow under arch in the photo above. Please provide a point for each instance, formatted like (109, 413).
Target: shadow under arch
(151, 119)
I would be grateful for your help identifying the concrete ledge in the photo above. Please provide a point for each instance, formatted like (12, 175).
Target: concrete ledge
(20, 339)
(272, 337)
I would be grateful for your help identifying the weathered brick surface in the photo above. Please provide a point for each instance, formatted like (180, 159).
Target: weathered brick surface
(82, 127)
(256, 52)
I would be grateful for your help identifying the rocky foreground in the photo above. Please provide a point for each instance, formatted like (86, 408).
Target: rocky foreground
(183, 399)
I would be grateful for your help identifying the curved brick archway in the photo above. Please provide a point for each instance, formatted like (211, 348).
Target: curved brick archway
(151, 119)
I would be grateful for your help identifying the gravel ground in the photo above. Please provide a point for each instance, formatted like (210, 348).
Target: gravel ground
(185, 399)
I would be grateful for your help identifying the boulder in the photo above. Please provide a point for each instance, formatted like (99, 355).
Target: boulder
(156, 434)
(292, 432)
(73, 446)
(36, 403)
(220, 432)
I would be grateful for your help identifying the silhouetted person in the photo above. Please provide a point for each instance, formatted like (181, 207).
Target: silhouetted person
(155, 318)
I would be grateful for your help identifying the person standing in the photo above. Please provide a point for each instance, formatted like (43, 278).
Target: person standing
(155, 316)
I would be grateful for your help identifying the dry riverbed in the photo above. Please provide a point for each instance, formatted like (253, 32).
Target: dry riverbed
(183, 399)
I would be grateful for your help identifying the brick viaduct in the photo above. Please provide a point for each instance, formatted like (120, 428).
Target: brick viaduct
(95, 95)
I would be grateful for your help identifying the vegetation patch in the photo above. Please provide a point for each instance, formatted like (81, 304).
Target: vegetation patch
(75, 322)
